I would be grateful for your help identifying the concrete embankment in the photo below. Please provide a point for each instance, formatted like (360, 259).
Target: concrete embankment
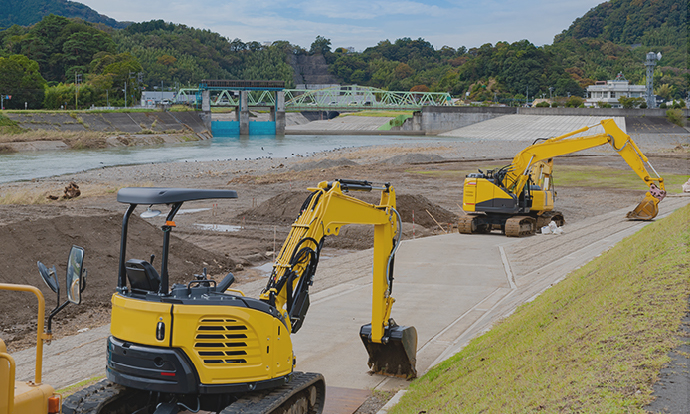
(127, 122)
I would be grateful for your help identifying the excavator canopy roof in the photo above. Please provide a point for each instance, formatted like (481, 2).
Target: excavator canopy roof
(155, 195)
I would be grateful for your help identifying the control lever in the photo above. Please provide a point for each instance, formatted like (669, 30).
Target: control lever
(224, 284)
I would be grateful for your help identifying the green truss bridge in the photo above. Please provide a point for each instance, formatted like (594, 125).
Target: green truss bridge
(336, 98)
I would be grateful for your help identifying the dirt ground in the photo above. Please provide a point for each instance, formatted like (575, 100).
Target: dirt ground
(428, 186)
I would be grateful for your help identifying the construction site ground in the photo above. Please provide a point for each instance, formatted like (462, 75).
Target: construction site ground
(451, 287)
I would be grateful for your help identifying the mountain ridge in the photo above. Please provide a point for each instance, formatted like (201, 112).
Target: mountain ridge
(29, 12)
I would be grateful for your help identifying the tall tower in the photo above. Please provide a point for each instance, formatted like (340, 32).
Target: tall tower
(650, 63)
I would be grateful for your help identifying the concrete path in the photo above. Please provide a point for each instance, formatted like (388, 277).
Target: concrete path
(341, 123)
(529, 127)
(450, 287)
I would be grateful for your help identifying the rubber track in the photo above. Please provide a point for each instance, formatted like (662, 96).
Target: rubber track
(514, 226)
(267, 401)
(547, 217)
(465, 224)
(92, 399)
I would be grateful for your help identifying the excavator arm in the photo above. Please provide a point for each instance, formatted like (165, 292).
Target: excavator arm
(518, 174)
(391, 348)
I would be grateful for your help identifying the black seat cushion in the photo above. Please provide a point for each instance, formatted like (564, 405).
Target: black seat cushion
(142, 276)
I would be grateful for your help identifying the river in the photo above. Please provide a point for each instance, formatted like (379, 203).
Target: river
(37, 164)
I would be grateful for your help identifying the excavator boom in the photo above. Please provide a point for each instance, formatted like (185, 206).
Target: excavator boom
(391, 348)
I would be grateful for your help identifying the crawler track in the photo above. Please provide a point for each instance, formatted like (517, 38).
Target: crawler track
(520, 226)
(304, 394)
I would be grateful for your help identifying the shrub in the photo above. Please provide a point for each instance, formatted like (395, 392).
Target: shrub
(676, 116)
(554, 104)
(543, 105)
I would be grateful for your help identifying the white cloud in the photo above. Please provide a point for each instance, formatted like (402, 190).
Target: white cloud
(362, 23)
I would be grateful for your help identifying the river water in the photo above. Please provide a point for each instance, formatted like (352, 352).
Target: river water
(38, 164)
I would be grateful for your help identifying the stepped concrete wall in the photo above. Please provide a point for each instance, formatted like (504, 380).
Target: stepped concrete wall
(132, 122)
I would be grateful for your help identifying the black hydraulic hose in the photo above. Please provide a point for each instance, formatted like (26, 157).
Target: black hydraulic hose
(391, 257)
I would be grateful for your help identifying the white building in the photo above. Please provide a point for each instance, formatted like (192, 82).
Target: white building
(609, 91)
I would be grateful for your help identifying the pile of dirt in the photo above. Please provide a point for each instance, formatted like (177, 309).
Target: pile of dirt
(409, 205)
(284, 208)
(23, 243)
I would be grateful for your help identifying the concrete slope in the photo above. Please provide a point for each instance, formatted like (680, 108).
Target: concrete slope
(530, 127)
(341, 123)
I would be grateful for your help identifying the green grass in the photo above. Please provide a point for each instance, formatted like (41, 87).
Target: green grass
(8, 126)
(593, 343)
(71, 389)
(384, 114)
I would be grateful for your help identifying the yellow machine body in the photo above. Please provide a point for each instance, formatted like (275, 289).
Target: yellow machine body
(481, 193)
(24, 397)
(226, 344)
(519, 198)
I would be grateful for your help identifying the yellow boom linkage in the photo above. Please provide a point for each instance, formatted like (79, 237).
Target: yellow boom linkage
(619, 141)
(391, 348)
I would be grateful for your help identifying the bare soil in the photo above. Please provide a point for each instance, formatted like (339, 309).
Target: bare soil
(428, 185)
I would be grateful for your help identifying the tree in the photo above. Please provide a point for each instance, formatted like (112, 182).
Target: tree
(20, 77)
(320, 46)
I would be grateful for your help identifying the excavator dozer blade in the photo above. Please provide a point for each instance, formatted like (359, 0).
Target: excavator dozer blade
(398, 356)
(646, 210)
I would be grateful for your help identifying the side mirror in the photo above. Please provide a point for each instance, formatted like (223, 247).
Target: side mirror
(49, 277)
(75, 276)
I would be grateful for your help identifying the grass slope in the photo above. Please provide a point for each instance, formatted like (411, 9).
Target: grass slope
(593, 343)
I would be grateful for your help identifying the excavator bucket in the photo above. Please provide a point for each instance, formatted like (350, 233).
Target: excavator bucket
(397, 356)
(646, 210)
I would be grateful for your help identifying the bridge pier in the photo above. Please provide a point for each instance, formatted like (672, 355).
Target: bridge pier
(206, 108)
(243, 112)
(277, 113)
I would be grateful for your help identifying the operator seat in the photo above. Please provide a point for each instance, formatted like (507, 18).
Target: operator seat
(142, 275)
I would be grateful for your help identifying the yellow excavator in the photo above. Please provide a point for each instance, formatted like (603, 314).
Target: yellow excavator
(519, 198)
(205, 346)
(35, 397)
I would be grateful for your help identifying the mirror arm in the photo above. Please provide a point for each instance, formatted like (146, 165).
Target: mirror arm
(53, 313)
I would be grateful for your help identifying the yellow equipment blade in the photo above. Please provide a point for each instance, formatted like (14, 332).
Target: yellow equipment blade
(397, 355)
(646, 210)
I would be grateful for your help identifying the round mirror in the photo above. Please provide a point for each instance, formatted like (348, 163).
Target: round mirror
(74, 274)
(49, 277)
(150, 213)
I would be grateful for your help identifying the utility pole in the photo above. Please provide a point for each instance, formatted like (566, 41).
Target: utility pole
(650, 63)
(550, 91)
(77, 81)
(125, 94)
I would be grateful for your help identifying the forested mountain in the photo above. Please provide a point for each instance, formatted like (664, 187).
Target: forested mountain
(611, 38)
(28, 12)
(177, 53)
(631, 22)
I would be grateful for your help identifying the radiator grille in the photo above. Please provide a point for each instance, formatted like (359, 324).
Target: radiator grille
(223, 341)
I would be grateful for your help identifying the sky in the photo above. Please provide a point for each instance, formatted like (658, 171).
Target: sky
(361, 23)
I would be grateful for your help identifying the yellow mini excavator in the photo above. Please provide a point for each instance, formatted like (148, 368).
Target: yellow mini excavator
(36, 397)
(205, 346)
(519, 198)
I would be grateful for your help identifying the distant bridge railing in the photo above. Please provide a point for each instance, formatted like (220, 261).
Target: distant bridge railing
(341, 98)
